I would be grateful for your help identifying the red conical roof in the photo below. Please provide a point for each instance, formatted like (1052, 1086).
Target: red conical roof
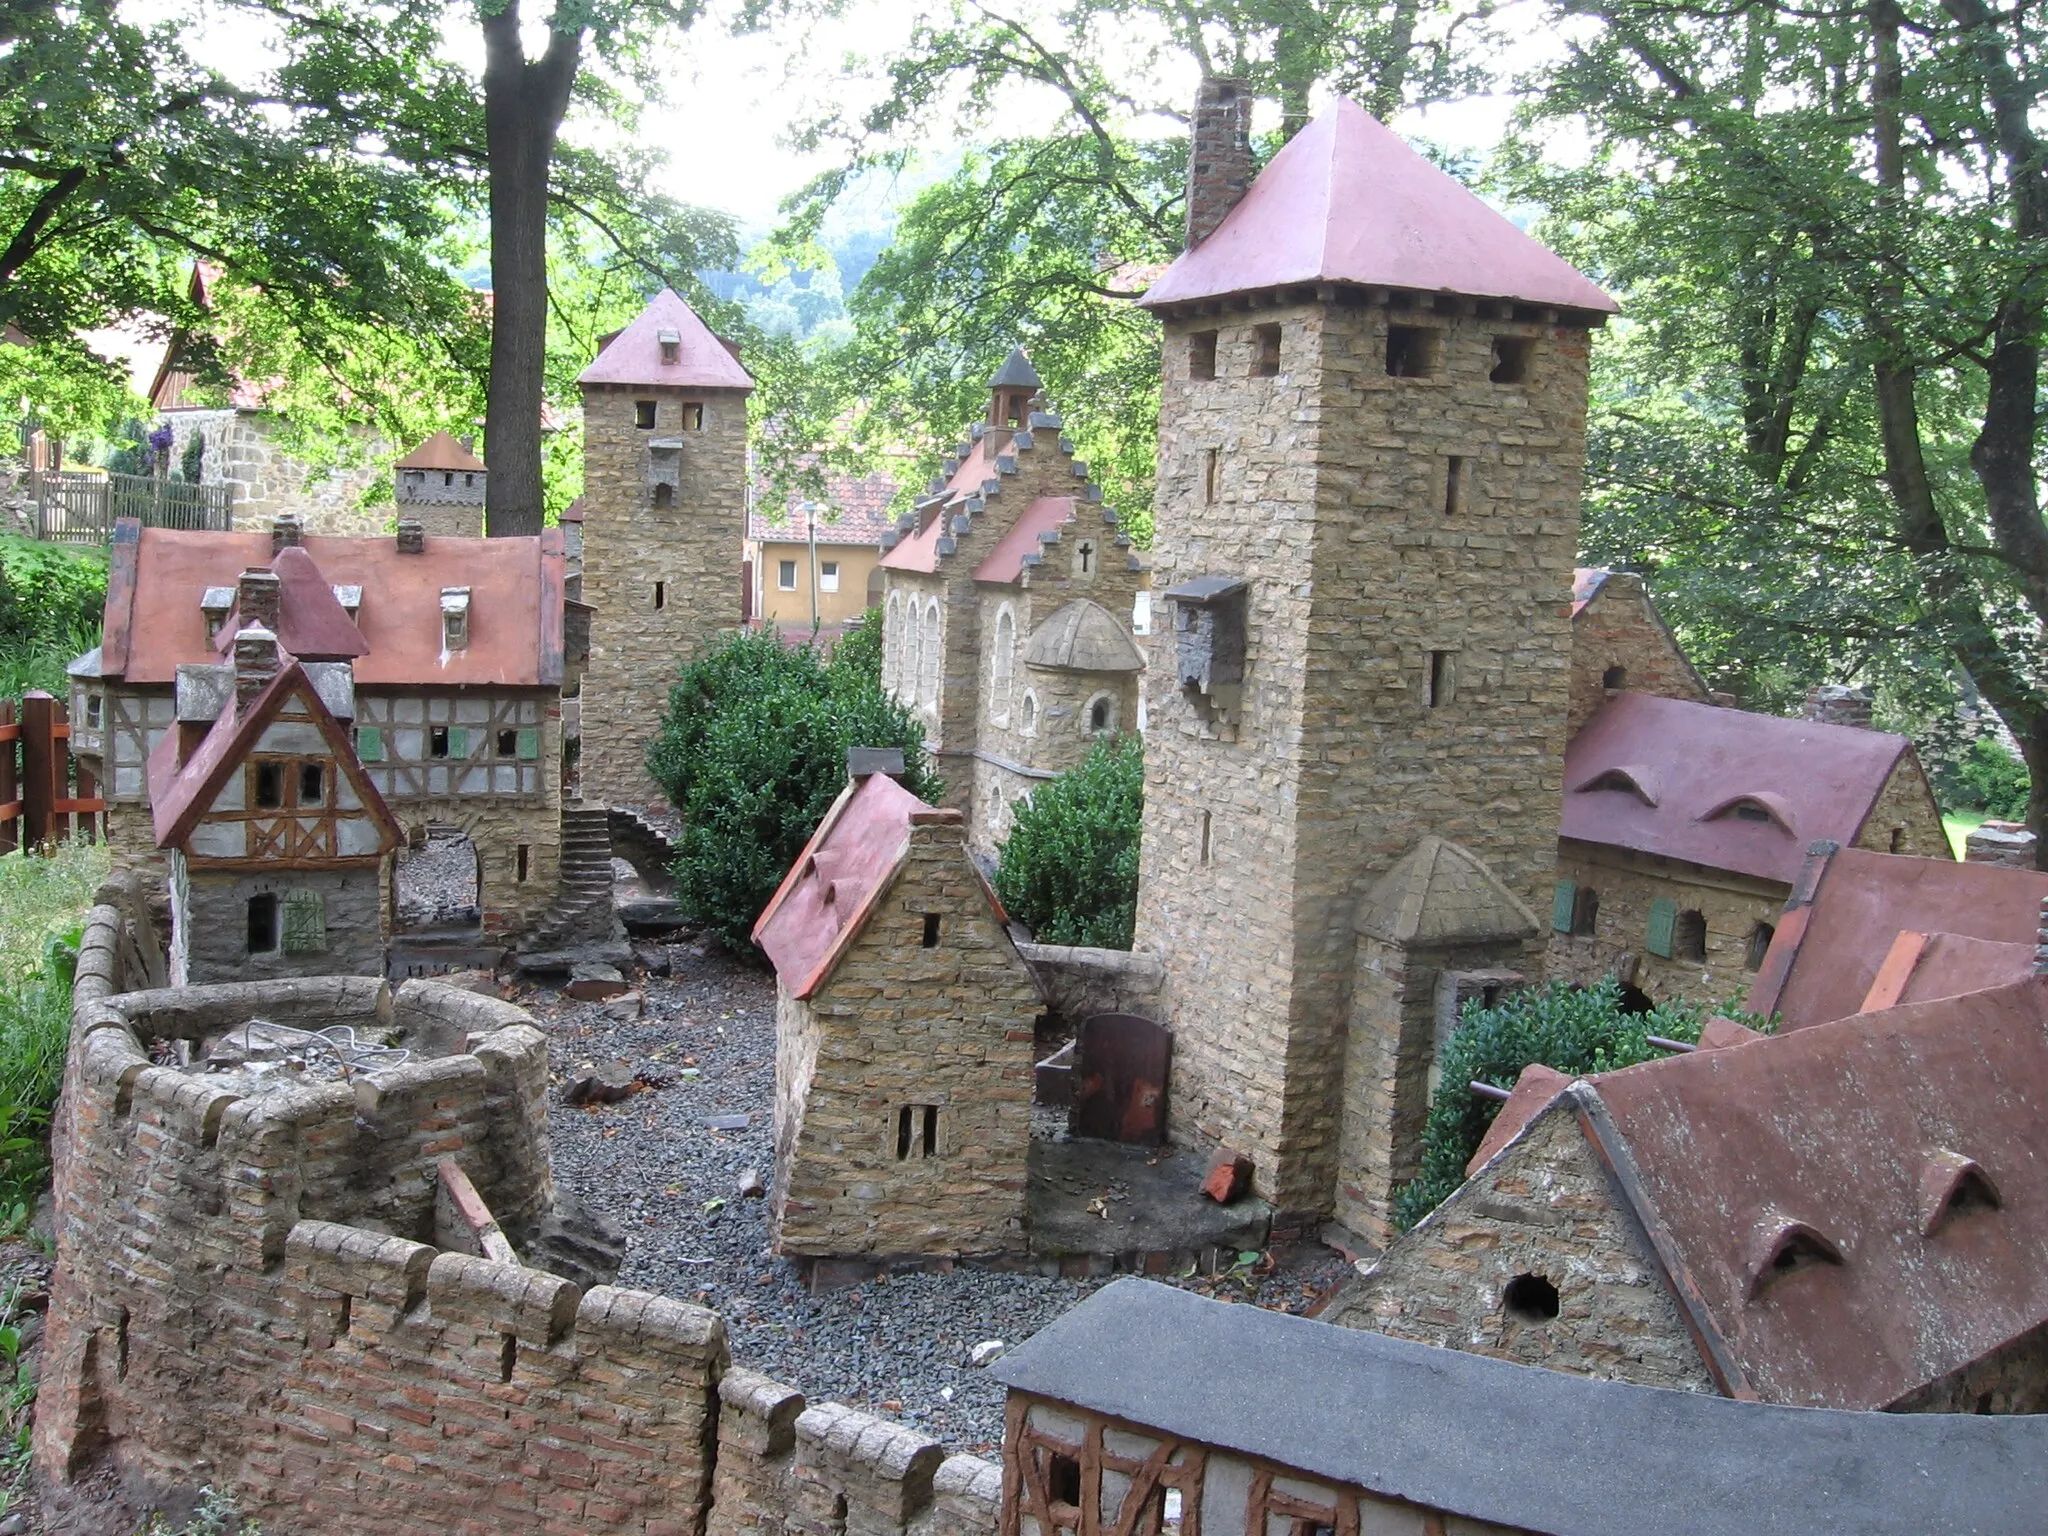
(634, 355)
(1346, 201)
(441, 451)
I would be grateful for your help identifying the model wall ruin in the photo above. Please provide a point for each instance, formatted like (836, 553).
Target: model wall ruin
(243, 1298)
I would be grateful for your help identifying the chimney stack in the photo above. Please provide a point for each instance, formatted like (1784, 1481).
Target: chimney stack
(1839, 704)
(255, 663)
(256, 599)
(412, 536)
(286, 530)
(1219, 154)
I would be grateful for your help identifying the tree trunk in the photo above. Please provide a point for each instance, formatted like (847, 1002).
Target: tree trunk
(523, 108)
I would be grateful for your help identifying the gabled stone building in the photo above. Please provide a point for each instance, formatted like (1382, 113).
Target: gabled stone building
(903, 1061)
(1620, 643)
(1372, 433)
(276, 839)
(1007, 602)
(664, 518)
(1848, 1215)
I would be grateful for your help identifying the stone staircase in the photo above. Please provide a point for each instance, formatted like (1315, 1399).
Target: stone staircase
(581, 923)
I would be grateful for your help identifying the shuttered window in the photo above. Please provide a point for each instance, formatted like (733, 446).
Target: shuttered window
(1663, 918)
(305, 923)
(369, 744)
(529, 744)
(458, 741)
(1562, 904)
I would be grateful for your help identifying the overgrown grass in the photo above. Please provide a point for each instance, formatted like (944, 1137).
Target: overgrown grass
(51, 599)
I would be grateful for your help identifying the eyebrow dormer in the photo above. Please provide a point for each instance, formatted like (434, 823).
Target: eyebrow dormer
(1953, 1186)
(1630, 778)
(1758, 806)
(1788, 1248)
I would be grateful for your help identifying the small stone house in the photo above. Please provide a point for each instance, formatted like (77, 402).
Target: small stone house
(1620, 643)
(1867, 930)
(275, 838)
(1148, 1409)
(903, 1040)
(1684, 827)
(457, 657)
(1008, 594)
(441, 487)
(1848, 1215)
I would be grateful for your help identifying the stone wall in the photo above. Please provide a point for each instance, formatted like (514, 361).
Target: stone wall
(1541, 1207)
(1905, 818)
(902, 1027)
(1077, 982)
(2008, 844)
(665, 581)
(1409, 544)
(211, 922)
(241, 453)
(1619, 627)
(2011, 1379)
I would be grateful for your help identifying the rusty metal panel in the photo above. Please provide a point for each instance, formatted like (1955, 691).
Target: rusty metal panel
(1119, 1084)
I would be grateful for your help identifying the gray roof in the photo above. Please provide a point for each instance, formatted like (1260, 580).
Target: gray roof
(1523, 1447)
(1016, 373)
(88, 665)
(1438, 894)
(1205, 589)
(1084, 637)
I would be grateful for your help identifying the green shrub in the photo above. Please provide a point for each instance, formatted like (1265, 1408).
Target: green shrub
(51, 601)
(1996, 779)
(1574, 1031)
(1069, 868)
(858, 653)
(752, 751)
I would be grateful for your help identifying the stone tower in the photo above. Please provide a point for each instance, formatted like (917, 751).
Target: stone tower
(664, 518)
(1371, 438)
(441, 487)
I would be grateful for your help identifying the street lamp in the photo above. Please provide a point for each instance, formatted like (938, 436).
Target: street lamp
(811, 527)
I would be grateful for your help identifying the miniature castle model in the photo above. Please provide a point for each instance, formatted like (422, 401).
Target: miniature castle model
(1007, 606)
(903, 1059)
(1372, 430)
(441, 487)
(664, 503)
(446, 655)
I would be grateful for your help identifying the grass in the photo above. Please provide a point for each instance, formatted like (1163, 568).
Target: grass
(1959, 825)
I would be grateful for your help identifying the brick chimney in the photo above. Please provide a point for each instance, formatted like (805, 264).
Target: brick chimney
(412, 536)
(1219, 154)
(1838, 704)
(286, 530)
(255, 663)
(256, 598)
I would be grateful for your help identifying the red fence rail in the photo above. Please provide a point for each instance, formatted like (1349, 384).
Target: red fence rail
(46, 795)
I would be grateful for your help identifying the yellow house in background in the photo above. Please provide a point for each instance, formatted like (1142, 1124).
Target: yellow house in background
(828, 550)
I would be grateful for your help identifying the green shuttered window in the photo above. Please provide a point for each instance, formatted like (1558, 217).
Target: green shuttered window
(305, 923)
(1561, 905)
(529, 744)
(369, 744)
(1663, 918)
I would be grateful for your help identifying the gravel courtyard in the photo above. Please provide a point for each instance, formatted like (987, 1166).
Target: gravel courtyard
(666, 1164)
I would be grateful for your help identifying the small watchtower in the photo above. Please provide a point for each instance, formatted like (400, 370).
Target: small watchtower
(1371, 439)
(664, 517)
(441, 487)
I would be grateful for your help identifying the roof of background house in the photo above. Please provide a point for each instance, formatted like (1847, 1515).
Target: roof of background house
(1347, 201)
(831, 890)
(855, 511)
(1856, 1131)
(181, 793)
(156, 577)
(441, 451)
(703, 361)
(1693, 764)
(1519, 1446)
(1850, 906)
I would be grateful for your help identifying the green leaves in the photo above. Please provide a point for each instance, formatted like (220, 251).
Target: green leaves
(1069, 869)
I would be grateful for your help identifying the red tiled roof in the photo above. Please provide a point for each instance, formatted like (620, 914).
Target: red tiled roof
(1852, 904)
(1698, 764)
(1006, 561)
(634, 355)
(919, 551)
(1347, 201)
(157, 575)
(311, 623)
(441, 451)
(856, 511)
(826, 897)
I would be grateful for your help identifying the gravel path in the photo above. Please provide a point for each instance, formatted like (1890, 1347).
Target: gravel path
(896, 1345)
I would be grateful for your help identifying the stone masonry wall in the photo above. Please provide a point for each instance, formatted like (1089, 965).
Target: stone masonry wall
(225, 1309)
(1541, 1207)
(1371, 575)
(690, 548)
(240, 452)
(1905, 818)
(899, 1025)
(214, 930)
(2011, 1379)
(1620, 628)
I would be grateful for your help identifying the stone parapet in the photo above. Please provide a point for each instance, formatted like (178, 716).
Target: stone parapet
(1079, 982)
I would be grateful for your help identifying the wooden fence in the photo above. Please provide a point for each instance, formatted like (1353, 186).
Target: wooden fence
(74, 508)
(46, 795)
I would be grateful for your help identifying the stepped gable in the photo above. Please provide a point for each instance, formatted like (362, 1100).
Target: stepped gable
(1849, 909)
(701, 360)
(1347, 201)
(1020, 546)
(441, 451)
(1083, 636)
(311, 623)
(1438, 894)
(157, 577)
(1720, 787)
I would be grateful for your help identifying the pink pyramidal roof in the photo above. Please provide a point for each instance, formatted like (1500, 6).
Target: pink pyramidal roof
(1346, 201)
(635, 354)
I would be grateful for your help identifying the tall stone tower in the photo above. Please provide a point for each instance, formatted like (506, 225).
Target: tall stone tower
(1372, 432)
(664, 518)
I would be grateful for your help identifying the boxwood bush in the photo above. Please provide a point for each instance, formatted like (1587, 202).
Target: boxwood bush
(1069, 868)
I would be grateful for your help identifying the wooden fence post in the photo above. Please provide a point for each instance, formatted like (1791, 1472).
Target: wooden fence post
(10, 794)
(42, 783)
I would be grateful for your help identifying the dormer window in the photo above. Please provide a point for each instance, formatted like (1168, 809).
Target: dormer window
(215, 603)
(1953, 1187)
(671, 347)
(1631, 780)
(1760, 809)
(350, 596)
(1791, 1248)
(454, 618)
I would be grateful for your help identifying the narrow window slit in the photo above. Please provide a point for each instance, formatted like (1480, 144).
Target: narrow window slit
(931, 930)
